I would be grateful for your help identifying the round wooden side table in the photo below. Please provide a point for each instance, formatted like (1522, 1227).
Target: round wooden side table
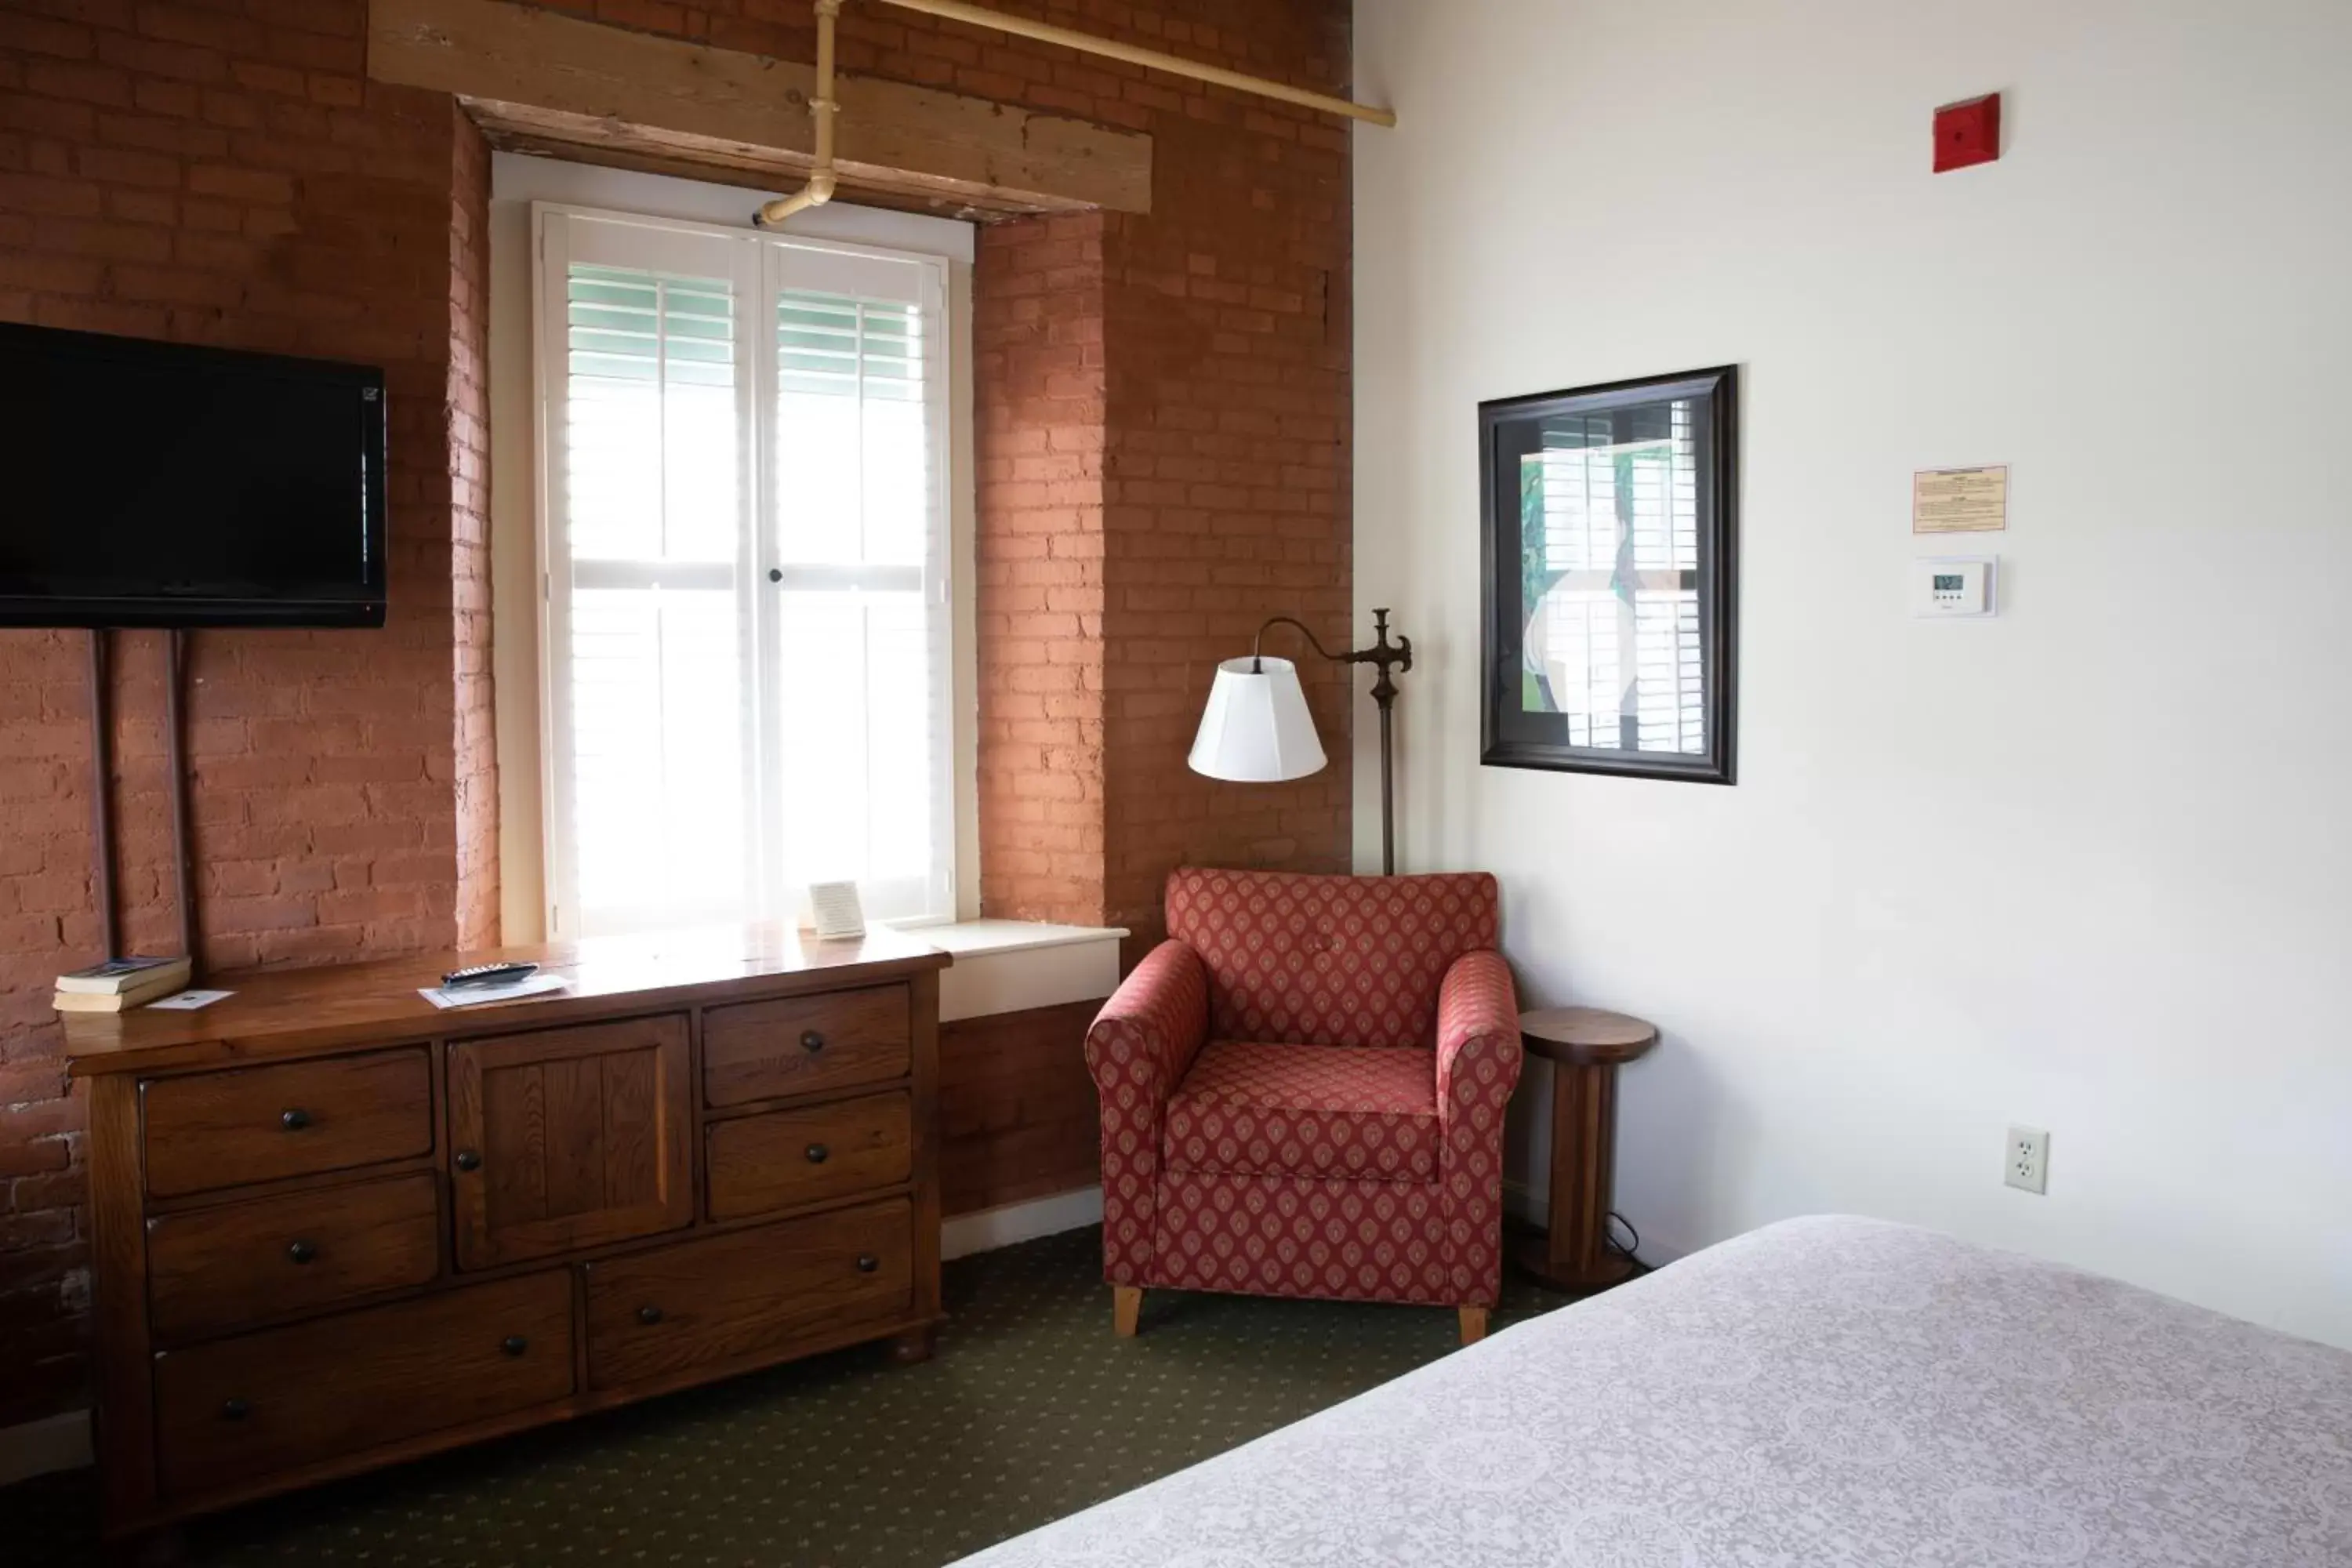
(1585, 1045)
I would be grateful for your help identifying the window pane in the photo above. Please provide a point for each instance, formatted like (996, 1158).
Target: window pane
(650, 439)
(1609, 531)
(657, 766)
(652, 455)
(855, 799)
(852, 461)
(857, 537)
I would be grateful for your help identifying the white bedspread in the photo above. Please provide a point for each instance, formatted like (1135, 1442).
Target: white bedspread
(1819, 1393)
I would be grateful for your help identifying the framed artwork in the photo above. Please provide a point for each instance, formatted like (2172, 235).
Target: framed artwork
(1609, 558)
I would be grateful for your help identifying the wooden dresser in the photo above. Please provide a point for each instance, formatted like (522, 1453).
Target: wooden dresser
(335, 1228)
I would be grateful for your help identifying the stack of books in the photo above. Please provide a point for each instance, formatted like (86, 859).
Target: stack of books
(119, 983)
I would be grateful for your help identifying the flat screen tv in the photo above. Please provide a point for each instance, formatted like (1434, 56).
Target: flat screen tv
(146, 484)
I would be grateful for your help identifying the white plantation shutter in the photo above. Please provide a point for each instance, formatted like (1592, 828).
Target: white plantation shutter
(859, 571)
(746, 550)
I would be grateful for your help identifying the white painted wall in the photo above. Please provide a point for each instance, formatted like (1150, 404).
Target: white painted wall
(2087, 867)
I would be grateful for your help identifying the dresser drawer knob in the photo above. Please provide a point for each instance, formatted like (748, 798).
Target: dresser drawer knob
(514, 1344)
(867, 1263)
(811, 1041)
(235, 1409)
(816, 1153)
(294, 1119)
(649, 1316)
(301, 1252)
(467, 1160)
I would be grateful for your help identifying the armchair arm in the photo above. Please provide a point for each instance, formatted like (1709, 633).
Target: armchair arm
(1139, 1049)
(1479, 1050)
(1478, 1057)
(1147, 1034)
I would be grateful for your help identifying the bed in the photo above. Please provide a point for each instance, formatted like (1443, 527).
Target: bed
(1819, 1393)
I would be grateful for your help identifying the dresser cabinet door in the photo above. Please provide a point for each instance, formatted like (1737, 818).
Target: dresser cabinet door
(569, 1138)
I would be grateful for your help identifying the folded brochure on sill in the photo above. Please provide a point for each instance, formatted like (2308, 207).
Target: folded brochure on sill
(469, 996)
(188, 1001)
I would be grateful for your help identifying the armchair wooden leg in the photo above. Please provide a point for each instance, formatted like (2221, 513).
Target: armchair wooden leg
(1473, 1324)
(1125, 1309)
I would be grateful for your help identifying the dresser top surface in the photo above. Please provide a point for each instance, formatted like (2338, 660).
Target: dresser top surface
(303, 1012)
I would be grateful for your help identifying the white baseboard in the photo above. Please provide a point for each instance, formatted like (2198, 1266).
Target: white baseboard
(60, 1442)
(992, 1228)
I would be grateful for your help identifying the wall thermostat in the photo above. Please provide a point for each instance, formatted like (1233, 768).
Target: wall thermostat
(1954, 585)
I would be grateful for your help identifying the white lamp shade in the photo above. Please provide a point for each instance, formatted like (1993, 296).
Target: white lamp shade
(1257, 729)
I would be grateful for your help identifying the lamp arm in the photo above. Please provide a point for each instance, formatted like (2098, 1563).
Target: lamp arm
(1384, 654)
(1257, 652)
(1387, 660)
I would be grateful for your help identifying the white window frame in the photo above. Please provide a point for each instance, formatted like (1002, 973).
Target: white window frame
(760, 262)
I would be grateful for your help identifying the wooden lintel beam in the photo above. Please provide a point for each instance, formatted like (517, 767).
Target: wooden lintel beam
(548, 77)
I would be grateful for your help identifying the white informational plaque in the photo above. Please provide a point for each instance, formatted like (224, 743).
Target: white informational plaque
(834, 909)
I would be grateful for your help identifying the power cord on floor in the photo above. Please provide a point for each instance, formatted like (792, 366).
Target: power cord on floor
(1625, 1249)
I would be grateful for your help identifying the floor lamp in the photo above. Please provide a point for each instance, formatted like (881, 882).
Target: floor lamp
(1257, 729)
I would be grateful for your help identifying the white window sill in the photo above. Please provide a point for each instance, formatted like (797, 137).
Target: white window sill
(1009, 936)
(1013, 966)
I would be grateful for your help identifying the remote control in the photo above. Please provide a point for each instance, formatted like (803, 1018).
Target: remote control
(488, 974)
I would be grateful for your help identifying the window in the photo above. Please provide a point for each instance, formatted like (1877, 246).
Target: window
(1609, 546)
(745, 539)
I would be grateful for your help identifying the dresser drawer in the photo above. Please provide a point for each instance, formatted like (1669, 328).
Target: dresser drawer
(257, 1124)
(244, 1408)
(805, 1045)
(212, 1270)
(736, 1297)
(785, 1158)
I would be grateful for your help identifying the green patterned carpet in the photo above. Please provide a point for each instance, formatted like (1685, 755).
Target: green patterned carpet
(1031, 1410)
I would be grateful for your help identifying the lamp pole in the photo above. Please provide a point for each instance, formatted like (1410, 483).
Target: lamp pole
(1387, 660)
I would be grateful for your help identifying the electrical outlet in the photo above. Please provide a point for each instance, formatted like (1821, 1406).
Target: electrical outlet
(2026, 1165)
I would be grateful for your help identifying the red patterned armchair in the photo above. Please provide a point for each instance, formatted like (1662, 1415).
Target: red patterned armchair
(1303, 1091)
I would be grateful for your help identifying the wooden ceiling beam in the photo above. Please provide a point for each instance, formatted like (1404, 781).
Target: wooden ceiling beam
(544, 80)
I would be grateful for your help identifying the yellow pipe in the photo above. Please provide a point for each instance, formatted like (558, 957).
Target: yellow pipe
(823, 111)
(1046, 33)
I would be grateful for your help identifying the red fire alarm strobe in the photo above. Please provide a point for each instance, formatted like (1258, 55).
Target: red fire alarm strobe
(1968, 132)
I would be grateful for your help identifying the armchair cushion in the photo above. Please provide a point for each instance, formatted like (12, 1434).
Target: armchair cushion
(1251, 1109)
(1336, 961)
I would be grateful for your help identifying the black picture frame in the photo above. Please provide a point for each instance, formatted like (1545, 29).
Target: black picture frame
(1512, 733)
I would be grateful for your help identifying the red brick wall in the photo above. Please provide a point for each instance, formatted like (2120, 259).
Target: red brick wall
(1039, 411)
(1162, 411)
(1229, 350)
(474, 771)
(1218, 369)
(223, 174)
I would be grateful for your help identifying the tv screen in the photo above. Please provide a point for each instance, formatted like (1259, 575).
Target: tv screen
(147, 484)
